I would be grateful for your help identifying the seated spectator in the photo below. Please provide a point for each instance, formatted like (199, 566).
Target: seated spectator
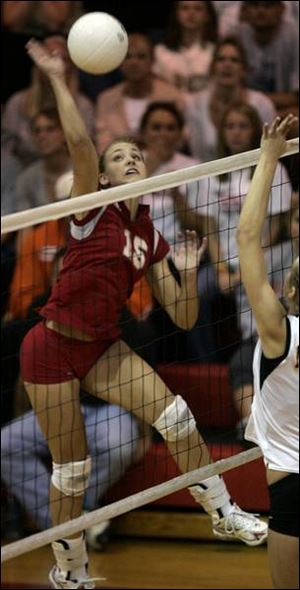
(22, 107)
(36, 256)
(116, 440)
(184, 58)
(119, 110)
(205, 109)
(35, 185)
(161, 133)
(221, 199)
(271, 43)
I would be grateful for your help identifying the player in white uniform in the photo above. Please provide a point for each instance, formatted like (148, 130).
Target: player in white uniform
(274, 421)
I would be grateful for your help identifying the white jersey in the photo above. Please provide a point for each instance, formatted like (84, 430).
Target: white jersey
(186, 68)
(274, 421)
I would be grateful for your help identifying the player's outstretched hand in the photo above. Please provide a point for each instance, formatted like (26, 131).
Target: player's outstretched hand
(51, 64)
(273, 139)
(187, 254)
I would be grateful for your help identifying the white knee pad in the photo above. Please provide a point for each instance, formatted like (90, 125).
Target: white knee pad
(72, 478)
(176, 422)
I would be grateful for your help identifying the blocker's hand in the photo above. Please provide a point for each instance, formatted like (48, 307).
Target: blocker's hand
(186, 254)
(273, 139)
(51, 64)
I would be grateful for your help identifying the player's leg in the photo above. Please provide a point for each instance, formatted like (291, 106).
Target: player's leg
(58, 411)
(283, 552)
(121, 377)
(283, 540)
(55, 401)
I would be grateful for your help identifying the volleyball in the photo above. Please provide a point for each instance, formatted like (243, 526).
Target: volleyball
(97, 43)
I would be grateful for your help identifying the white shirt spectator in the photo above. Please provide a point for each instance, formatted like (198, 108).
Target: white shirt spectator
(201, 131)
(187, 68)
(134, 109)
(162, 207)
(224, 201)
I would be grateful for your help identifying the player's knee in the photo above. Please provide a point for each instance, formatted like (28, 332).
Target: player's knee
(176, 422)
(72, 478)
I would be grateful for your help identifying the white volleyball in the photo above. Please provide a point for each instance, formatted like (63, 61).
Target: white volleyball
(97, 43)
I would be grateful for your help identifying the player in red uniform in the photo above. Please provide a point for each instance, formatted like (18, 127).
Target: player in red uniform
(78, 341)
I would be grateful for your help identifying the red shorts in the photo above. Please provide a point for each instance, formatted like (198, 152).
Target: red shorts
(49, 357)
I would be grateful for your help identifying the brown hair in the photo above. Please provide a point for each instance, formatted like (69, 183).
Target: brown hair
(233, 42)
(125, 139)
(169, 107)
(173, 34)
(145, 38)
(253, 117)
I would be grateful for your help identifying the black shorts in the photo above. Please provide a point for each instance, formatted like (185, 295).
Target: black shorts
(284, 506)
(240, 364)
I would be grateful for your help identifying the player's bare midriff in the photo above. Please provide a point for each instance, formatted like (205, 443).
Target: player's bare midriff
(68, 331)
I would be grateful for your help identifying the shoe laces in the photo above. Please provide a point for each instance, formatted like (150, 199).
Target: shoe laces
(239, 519)
(86, 583)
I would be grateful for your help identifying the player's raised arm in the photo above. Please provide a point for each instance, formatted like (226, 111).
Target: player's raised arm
(181, 302)
(268, 311)
(82, 151)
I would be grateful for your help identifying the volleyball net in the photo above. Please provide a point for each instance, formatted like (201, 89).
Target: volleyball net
(194, 363)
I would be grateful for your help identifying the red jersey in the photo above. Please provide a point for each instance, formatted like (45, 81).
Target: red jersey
(107, 254)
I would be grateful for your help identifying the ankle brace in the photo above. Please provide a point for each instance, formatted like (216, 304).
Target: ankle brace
(213, 495)
(71, 555)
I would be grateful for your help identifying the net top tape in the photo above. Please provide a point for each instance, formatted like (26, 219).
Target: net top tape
(30, 217)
